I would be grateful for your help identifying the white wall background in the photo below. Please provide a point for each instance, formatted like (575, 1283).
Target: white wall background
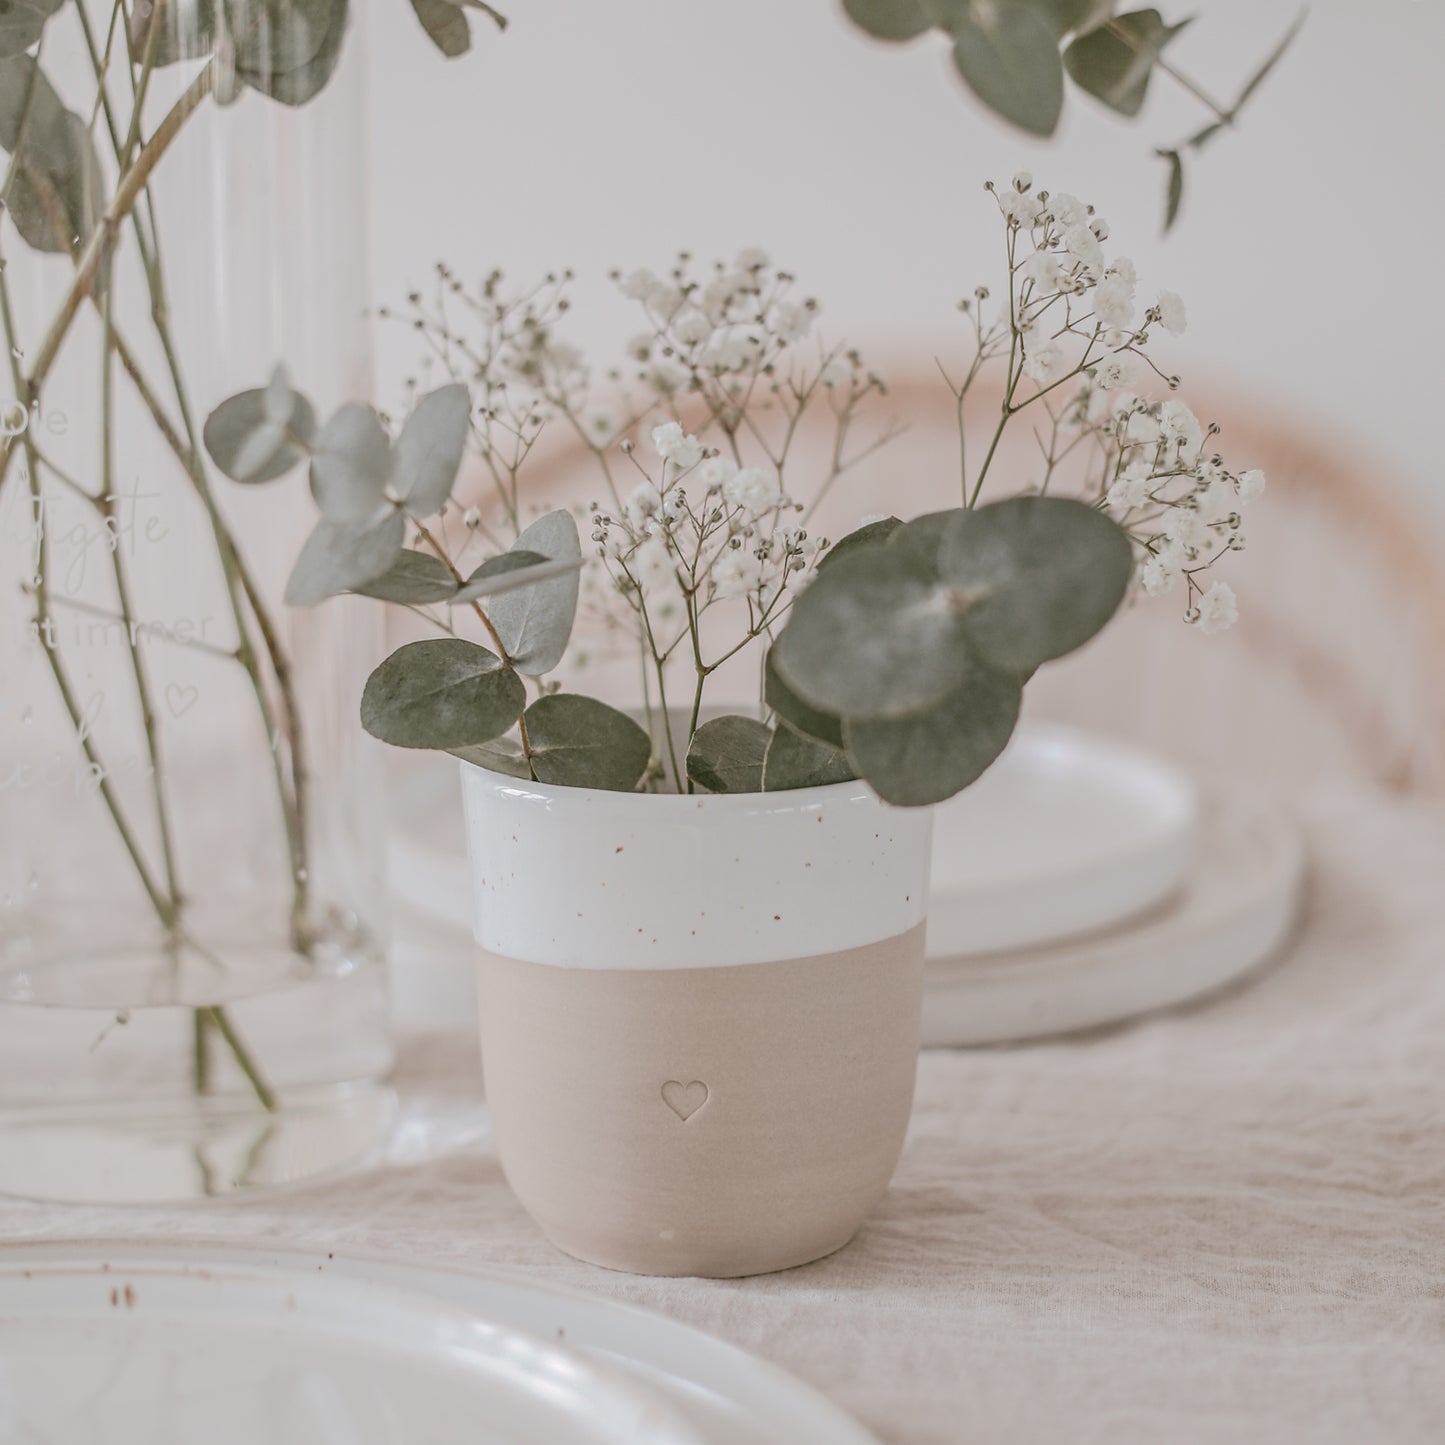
(599, 133)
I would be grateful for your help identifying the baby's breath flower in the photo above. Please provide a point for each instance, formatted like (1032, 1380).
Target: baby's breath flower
(1186, 529)
(736, 572)
(836, 371)
(754, 491)
(751, 258)
(1218, 609)
(715, 472)
(1044, 361)
(1160, 573)
(1171, 312)
(692, 328)
(1114, 301)
(791, 320)
(1083, 246)
(642, 502)
(674, 445)
(1181, 426)
(1131, 489)
(1251, 484)
(1068, 210)
(1114, 371)
(1021, 207)
(1043, 269)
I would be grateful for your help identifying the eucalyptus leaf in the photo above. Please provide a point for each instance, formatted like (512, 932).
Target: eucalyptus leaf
(445, 24)
(443, 693)
(501, 755)
(795, 761)
(21, 22)
(914, 761)
(56, 195)
(512, 570)
(415, 578)
(1174, 195)
(864, 536)
(351, 465)
(184, 30)
(1038, 576)
(727, 755)
(287, 49)
(890, 19)
(1114, 62)
(344, 556)
(1009, 56)
(535, 622)
(876, 635)
(429, 450)
(579, 742)
(1073, 17)
(257, 436)
(797, 714)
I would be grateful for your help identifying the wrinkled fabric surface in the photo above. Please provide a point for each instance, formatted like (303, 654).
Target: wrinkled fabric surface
(1224, 1224)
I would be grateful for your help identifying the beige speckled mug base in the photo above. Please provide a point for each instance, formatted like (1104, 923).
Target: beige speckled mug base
(703, 1121)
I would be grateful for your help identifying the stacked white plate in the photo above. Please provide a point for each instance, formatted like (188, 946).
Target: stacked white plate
(133, 1344)
(1081, 882)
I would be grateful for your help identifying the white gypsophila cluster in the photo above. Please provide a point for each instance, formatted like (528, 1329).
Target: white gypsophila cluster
(720, 374)
(697, 530)
(1074, 312)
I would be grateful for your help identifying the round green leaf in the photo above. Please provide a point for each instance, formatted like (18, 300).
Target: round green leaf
(252, 436)
(429, 450)
(795, 761)
(726, 755)
(21, 22)
(287, 49)
(579, 742)
(1114, 61)
(445, 693)
(867, 535)
(445, 24)
(56, 195)
(890, 19)
(1038, 577)
(874, 636)
(414, 578)
(513, 570)
(535, 623)
(351, 465)
(1009, 56)
(501, 755)
(809, 721)
(926, 758)
(343, 557)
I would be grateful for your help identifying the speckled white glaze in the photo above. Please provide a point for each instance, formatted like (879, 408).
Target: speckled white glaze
(589, 879)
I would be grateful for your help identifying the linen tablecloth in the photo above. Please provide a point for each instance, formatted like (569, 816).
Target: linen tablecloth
(1221, 1224)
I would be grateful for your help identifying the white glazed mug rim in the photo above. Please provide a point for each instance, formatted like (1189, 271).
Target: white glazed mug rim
(783, 800)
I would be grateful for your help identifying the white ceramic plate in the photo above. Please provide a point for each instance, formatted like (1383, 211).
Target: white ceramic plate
(1238, 909)
(149, 1344)
(1066, 834)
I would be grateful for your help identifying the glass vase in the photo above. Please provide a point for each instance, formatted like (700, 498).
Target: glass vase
(192, 981)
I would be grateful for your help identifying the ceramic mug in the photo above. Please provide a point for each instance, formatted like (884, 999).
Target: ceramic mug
(699, 1014)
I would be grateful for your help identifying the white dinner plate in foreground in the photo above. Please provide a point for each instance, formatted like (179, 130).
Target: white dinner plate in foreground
(148, 1344)
(1068, 833)
(1237, 910)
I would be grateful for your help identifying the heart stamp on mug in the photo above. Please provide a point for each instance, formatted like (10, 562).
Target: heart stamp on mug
(684, 1099)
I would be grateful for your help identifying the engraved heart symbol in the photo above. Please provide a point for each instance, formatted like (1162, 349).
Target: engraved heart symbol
(181, 700)
(684, 1099)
